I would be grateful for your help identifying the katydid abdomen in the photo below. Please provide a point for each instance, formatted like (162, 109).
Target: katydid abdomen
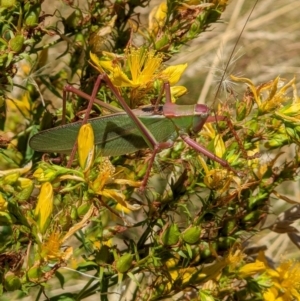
(115, 134)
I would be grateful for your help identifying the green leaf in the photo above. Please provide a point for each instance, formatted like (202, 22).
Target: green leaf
(60, 278)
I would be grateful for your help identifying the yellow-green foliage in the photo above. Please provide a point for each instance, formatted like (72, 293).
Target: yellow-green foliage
(186, 233)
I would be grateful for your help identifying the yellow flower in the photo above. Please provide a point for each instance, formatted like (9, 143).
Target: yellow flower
(51, 248)
(275, 93)
(44, 207)
(105, 176)
(286, 282)
(142, 67)
(86, 146)
(98, 244)
(219, 146)
(123, 209)
(234, 258)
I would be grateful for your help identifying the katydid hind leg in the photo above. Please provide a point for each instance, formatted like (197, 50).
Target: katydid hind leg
(230, 126)
(201, 149)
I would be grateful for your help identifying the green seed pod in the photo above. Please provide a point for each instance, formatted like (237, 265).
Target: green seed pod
(16, 44)
(83, 209)
(257, 201)
(3, 58)
(191, 235)
(228, 227)
(291, 132)
(170, 235)
(297, 130)
(251, 127)
(124, 263)
(79, 40)
(142, 171)
(195, 255)
(32, 15)
(205, 251)
(224, 243)
(74, 214)
(252, 218)
(208, 249)
(34, 274)
(7, 3)
(12, 283)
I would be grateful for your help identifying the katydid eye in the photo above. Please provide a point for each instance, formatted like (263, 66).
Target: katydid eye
(201, 108)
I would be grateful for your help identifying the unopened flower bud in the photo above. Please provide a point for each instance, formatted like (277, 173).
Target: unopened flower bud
(44, 207)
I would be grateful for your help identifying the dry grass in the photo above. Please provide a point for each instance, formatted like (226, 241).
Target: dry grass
(269, 46)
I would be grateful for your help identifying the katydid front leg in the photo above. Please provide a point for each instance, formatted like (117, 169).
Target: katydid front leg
(145, 133)
(155, 146)
(86, 116)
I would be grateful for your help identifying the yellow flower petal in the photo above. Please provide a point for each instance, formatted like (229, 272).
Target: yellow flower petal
(114, 194)
(157, 17)
(173, 73)
(120, 79)
(252, 268)
(250, 85)
(122, 208)
(178, 91)
(270, 294)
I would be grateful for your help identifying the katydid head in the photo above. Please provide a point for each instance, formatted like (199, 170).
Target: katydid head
(186, 118)
(201, 110)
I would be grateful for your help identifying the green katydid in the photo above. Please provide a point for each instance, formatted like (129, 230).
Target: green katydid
(129, 131)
